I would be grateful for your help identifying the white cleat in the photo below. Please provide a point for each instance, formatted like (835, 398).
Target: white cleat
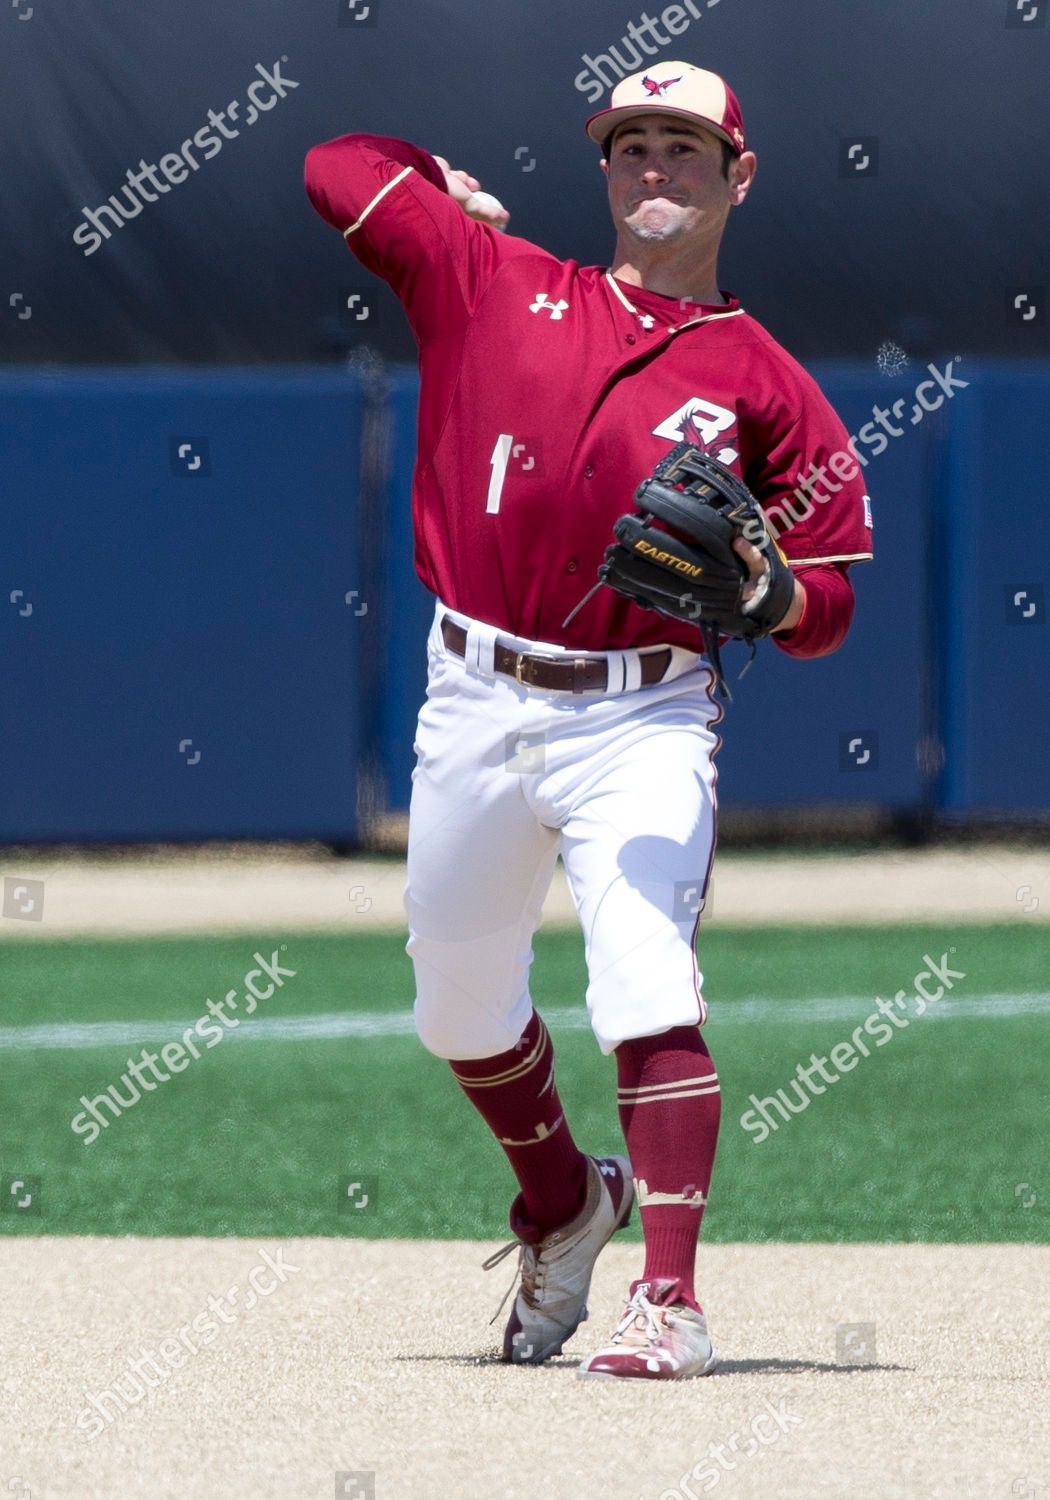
(654, 1342)
(555, 1271)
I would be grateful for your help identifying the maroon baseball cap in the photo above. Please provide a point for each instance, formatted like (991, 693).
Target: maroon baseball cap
(677, 89)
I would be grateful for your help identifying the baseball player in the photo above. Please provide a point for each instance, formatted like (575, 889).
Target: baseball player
(549, 390)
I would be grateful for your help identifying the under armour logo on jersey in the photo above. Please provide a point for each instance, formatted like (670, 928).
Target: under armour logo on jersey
(651, 86)
(544, 304)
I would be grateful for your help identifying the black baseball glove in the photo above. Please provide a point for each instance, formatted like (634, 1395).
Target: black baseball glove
(675, 554)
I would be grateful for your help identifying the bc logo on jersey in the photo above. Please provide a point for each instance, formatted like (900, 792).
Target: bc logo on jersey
(700, 422)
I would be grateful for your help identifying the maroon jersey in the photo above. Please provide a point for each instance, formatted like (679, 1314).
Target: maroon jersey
(549, 390)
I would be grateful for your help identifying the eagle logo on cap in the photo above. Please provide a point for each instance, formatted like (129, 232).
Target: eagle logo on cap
(738, 136)
(651, 86)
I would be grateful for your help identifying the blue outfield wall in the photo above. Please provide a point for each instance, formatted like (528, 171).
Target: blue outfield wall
(993, 513)
(181, 662)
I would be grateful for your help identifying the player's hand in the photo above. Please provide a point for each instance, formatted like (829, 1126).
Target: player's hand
(466, 190)
(757, 568)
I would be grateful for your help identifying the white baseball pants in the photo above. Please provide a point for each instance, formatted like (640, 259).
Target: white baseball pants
(622, 784)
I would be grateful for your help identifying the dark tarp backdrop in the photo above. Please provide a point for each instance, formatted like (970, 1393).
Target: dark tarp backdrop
(929, 245)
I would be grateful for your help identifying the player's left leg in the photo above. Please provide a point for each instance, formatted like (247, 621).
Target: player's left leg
(669, 1109)
(670, 1106)
(637, 844)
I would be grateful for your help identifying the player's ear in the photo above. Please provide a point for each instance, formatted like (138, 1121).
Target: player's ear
(605, 165)
(741, 176)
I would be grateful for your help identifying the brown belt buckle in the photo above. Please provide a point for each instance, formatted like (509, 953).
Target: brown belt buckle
(522, 657)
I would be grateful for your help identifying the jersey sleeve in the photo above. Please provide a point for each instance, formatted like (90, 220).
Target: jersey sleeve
(826, 614)
(389, 201)
(810, 486)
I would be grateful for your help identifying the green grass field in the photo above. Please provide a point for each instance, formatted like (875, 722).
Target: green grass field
(937, 1136)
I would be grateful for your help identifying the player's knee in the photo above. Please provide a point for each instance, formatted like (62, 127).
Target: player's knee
(472, 999)
(457, 1043)
(467, 1033)
(438, 1025)
(434, 1031)
(617, 1018)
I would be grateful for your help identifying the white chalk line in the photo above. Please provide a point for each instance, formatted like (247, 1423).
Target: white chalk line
(362, 1025)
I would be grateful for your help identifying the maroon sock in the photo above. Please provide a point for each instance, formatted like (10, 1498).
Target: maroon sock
(516, 1096)
(670, 1106)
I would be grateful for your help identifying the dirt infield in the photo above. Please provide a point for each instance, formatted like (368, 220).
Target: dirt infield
(374, 1358)
(226, 889)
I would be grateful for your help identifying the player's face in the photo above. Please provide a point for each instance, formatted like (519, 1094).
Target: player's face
(665, 181)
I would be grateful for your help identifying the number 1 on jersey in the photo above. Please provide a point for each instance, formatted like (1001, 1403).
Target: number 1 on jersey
(499, 461)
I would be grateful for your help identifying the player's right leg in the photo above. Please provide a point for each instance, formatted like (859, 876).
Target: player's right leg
(479, 865)
(638, 838)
